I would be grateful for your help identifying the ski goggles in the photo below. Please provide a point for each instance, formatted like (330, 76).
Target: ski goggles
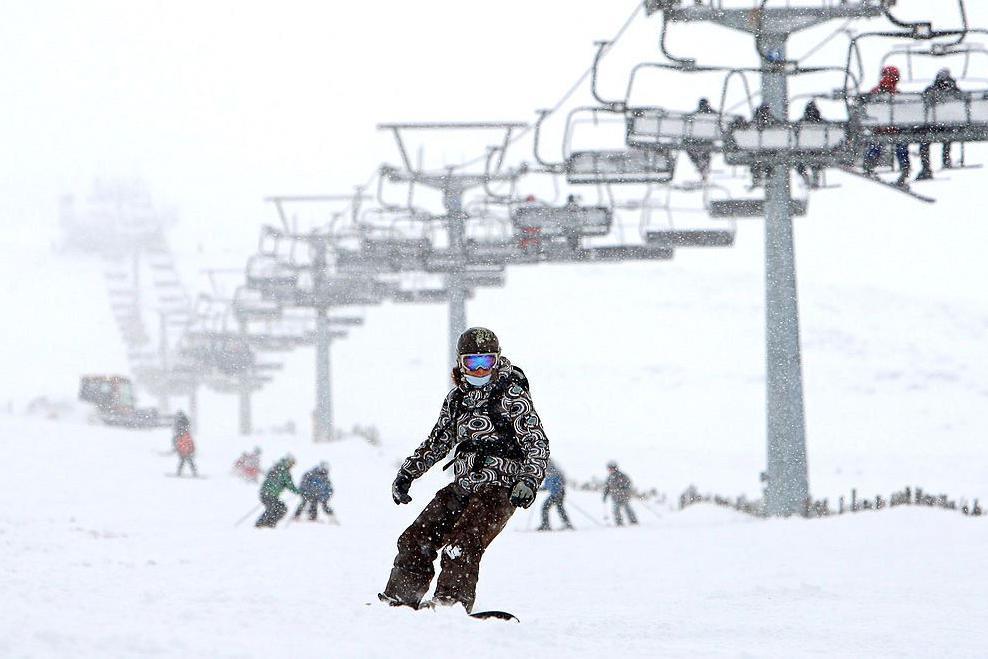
(483, 362)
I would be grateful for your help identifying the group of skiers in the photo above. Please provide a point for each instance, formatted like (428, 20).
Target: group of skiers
(314, 490)
(617, 487)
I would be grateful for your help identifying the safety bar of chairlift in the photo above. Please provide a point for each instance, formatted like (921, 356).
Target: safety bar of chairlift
(690, 237)
(624, 252)
(737, 208)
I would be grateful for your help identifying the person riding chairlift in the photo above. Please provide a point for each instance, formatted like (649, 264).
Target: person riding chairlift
(889, 84)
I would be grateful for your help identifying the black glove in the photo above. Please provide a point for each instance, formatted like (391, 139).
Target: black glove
(522, 495)
(399, 489)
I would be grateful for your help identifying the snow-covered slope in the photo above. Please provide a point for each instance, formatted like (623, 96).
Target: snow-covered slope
(106, 557)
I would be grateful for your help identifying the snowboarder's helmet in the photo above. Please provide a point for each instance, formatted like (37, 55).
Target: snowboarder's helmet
(612, 465)
(324, 465)
(478, 341)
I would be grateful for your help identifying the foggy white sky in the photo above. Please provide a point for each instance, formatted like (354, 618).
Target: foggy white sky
(217, 104)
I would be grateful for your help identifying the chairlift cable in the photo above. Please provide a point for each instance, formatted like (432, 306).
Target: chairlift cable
(572, 90)
(812, 51)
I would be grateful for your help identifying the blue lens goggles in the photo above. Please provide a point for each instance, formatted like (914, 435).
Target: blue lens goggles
(478, 362)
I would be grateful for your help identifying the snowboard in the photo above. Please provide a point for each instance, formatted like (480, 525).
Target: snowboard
(494, 615)
(898, 188)
(480, 615)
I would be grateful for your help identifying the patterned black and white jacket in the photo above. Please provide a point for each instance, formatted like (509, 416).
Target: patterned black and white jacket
(496, 431)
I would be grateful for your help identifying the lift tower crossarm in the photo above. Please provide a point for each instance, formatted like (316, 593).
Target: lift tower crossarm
(453, 184)
(768, 19)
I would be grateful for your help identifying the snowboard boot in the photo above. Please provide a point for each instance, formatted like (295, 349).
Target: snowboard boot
(924, 175)
(394, 601)
(444, 604)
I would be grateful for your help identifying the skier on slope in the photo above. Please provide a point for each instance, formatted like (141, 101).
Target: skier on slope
(618, 487)
(500, 460)
(248, 465)
(278, 478)
(182, 443)
(555, 484)
(315, 489)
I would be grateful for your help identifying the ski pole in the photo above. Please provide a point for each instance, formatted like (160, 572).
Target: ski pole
(585, 514)
(531, 513)
(650, 509)
(252, 511)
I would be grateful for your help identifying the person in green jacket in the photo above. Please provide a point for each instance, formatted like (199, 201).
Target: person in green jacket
(277, 479)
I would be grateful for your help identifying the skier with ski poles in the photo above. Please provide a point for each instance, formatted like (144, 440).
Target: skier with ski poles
(618, 487)
(278, 479)
(499, 463)
(183, 444)
(315, 490)
(555, 484)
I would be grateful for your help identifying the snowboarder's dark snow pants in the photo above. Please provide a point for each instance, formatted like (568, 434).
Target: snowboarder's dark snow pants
(181, 465)
(622, 504)
(557, 501)
(274, 510)
(462, 526)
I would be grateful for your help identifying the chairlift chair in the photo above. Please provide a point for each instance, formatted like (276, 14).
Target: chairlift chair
(619, 167)
(789, 143)
(654, 127)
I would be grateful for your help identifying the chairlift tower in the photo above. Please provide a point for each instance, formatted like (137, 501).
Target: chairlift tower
(322, 294)
(453, 185)
(787, 487)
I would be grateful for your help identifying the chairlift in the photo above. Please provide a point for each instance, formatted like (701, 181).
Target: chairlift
(265, 272)
(914, 116)
(673, 234)
(606, 166)
(538, 224)
(394, 239)
(789, 143)
(250, 304)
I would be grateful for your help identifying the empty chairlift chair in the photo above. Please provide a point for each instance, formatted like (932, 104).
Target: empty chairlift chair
(620, 166)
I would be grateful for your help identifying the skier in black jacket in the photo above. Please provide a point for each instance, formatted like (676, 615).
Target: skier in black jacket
(500, 460)
(618, 487)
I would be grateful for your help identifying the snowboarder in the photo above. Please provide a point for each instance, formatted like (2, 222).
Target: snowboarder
(618, 487)
(315, 490)
(888, 85)
(182, 443)
(943, 88)
(278, 478)
(248, 465)
(555, 484)
(500, 461)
